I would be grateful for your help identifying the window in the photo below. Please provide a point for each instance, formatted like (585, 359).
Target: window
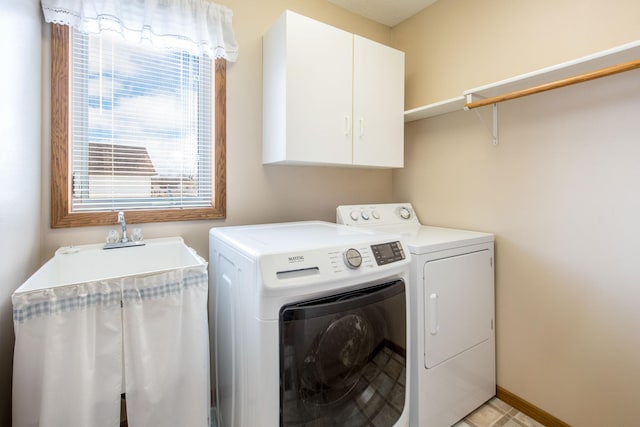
(136, 129)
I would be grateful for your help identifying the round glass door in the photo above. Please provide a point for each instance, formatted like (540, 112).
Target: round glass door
(342, 358)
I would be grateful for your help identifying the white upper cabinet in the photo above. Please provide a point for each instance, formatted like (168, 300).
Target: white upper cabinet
(378, 104)
(330, 97)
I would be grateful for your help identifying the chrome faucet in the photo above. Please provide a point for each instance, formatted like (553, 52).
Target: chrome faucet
(125, 241)
(123, 223)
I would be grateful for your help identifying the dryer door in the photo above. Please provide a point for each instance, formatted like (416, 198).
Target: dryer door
(459, 305)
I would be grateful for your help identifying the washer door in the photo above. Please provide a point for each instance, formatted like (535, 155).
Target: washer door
(341, 362)
(333, 363)
(458, 303)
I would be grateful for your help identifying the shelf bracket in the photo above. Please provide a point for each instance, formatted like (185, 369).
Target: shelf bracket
(472, 97)
(495, 123)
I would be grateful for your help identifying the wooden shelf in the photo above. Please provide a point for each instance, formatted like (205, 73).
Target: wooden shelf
(607, 58)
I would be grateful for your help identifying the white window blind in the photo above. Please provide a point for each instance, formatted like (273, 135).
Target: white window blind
(140, 127)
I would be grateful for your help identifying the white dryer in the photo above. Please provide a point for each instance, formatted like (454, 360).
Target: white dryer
(452, 312)
(311, 325)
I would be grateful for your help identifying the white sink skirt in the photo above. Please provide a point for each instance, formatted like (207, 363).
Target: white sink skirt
(71, 342)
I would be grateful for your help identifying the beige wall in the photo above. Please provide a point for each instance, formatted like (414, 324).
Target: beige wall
(455, 45)
(19, 169)
(561, 192)
(255, 193)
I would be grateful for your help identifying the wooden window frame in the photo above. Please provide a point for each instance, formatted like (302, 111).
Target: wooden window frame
(61, 214)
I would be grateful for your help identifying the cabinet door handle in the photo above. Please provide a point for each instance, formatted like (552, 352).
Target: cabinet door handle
(347, 125)
(361, 125)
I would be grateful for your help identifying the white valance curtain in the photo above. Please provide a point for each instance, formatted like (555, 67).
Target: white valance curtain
(197, 26)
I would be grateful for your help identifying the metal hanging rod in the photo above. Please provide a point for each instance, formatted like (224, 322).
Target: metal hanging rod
(603, 72)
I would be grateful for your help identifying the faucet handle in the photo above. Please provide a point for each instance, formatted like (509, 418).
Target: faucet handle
(113, 236)
(136, 235)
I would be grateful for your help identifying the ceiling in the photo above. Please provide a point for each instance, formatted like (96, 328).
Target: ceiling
(387, 12)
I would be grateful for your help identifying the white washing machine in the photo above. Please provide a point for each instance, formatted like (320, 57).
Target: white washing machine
(452, 312)
(310, 325)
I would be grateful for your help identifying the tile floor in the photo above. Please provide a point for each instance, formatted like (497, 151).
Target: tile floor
(499, 414)
(494, 413)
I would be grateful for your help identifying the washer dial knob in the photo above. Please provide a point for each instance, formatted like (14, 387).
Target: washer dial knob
(352, 258)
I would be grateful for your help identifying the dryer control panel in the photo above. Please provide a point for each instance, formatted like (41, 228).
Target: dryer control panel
(371, 215)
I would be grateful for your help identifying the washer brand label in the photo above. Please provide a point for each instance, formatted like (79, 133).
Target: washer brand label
(297, 258)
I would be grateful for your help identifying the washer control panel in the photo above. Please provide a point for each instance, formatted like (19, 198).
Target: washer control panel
(344, 261)
(383, 214)
(386, 253)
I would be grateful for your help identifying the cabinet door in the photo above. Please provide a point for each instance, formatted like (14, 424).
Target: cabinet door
(308, 92)
(378, 125)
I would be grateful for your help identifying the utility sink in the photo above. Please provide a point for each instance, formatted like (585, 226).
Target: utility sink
(90, 263)
(135, 317)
